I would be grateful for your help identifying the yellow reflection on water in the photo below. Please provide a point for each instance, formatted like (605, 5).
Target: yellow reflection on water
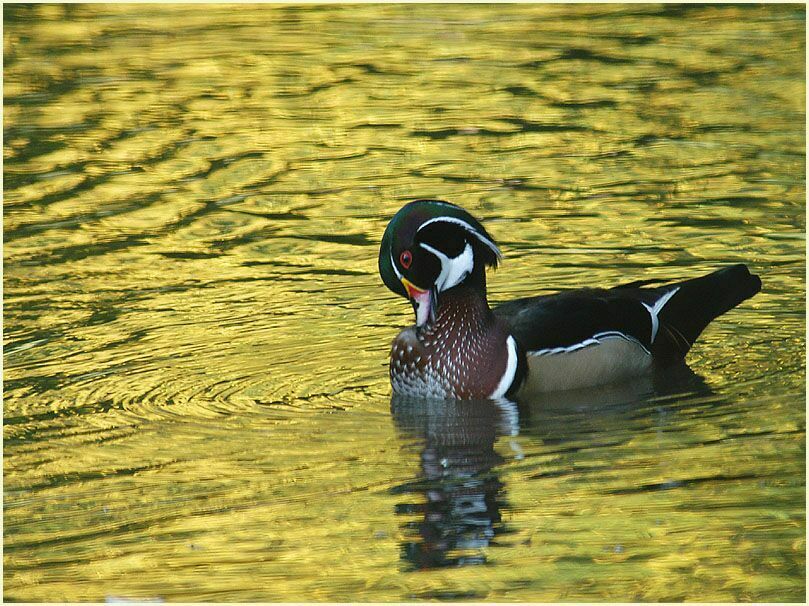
(195, 338)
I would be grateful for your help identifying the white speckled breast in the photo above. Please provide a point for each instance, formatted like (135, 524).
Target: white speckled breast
(464, 354)
(413, 372)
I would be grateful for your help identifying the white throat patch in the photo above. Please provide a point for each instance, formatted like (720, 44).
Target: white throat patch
(453, 269)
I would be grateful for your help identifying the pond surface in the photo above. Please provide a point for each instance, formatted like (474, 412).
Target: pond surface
(196, 401)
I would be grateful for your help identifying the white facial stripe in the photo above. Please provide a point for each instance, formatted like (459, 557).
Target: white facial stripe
(395, 269)
(654, 310)
(468, 228)
(453, 270)
(511, 369)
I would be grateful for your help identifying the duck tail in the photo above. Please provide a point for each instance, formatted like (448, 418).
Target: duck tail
(696, 303)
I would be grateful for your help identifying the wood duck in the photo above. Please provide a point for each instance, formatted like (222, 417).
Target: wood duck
(435, 254)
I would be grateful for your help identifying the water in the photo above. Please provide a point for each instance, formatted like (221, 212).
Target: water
(196, 402)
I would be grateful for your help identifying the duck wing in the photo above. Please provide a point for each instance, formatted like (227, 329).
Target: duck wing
(665, 320)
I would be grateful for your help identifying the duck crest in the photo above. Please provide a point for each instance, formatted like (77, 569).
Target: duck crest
(464, 353)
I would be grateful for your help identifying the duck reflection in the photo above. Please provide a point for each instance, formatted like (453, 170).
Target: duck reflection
(461, 492)
(459, 487)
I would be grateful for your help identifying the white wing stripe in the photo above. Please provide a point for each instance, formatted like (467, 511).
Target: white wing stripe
(594, 340)
(655, 309)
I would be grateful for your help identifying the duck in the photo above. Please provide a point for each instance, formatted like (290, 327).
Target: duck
(435, 254)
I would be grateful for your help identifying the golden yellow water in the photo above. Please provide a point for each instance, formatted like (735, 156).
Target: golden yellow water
(196, 402)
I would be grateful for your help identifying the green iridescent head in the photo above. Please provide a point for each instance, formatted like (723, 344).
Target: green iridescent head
(429, 247)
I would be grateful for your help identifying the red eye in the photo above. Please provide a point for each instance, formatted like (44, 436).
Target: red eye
(406, 258)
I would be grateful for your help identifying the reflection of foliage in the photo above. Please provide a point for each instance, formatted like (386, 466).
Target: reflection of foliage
(192, 205)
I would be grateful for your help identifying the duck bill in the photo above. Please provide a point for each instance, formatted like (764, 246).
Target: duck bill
(424, 302)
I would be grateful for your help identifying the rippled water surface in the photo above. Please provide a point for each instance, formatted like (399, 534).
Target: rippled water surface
(196, 402)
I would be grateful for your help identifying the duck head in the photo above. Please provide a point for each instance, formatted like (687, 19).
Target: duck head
(431, 247)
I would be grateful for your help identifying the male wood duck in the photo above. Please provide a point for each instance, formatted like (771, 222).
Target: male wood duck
(435, 254)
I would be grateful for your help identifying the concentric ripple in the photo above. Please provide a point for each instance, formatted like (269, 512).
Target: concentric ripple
(196, 401)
